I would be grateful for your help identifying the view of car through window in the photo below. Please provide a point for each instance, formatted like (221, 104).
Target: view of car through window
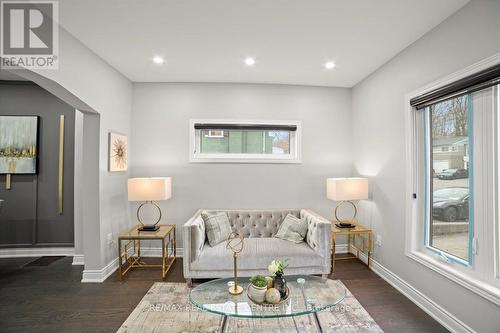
(448, 230)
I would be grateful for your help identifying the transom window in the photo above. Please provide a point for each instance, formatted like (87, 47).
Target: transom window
(245, 141)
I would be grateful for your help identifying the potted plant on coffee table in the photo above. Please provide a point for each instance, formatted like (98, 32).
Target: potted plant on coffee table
(257, 289)
(277, 270)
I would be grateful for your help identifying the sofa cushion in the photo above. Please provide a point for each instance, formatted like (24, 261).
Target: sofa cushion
(256, 223)
(257, 254)
(292, 229)
(217, 227)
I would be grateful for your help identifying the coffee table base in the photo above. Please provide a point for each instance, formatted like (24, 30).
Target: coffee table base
(224, 324)
(315, 315)
(318, 324)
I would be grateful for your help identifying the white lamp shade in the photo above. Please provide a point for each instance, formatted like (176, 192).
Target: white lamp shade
(149, 189)
(340, 189)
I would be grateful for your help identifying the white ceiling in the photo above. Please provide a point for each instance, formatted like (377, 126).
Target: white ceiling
(207, 40)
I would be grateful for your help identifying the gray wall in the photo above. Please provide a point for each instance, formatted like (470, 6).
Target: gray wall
(160, 132)
(92, 86)
(470, 35)
(30, 214)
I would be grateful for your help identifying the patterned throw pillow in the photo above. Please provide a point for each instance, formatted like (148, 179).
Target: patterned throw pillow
(292, 229)
(217, 227)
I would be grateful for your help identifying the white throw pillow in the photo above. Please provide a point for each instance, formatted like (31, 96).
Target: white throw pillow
(292, 229)
(217, 227)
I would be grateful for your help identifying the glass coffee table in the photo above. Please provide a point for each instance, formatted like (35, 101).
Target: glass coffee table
(308, 295)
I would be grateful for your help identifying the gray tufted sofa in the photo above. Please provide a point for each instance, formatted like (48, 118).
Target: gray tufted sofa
(258, 227)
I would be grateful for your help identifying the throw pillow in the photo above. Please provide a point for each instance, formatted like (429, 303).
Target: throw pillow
(217, 227)
(292, 229)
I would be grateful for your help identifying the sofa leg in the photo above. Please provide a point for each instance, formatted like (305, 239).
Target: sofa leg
(189, 282)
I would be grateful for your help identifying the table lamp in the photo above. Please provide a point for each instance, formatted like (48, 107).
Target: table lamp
(149, 190)
(344, 190)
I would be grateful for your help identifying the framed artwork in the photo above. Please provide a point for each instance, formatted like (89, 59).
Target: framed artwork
(118, 152)
(18, 144)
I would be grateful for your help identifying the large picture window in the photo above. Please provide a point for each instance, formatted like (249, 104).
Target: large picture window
(245, 141)
(448, 178)
(454, 180)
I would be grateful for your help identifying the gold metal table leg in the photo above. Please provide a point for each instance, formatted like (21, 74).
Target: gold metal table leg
(163, 258)
(175, 244)
(334, 249)
(349, 243)
(120, 259)
(369, 249)
(357, 247)
(139, 248)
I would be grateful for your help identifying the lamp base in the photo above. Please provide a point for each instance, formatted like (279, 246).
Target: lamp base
(351, 221)
(347, 223)
(150, 227)
(239, 290)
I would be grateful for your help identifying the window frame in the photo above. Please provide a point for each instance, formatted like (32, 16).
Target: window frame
(470, 275)
(295, 144)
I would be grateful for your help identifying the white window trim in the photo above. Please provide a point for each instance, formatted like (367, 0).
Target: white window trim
(295, 156)
(451, 270)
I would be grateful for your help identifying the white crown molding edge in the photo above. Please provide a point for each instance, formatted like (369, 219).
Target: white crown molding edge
(36, 252)
(445, 318)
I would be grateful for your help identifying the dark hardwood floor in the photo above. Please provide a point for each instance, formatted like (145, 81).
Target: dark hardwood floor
(52, 299)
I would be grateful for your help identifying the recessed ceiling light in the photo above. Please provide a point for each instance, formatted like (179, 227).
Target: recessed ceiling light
(158, 60)
(249, 61)
(330, 65)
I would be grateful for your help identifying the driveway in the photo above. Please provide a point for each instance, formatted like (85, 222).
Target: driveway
(440, 183)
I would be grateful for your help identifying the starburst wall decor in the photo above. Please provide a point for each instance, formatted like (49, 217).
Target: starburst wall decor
(118, 152)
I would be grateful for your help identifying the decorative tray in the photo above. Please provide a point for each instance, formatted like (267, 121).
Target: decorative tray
(284, 299)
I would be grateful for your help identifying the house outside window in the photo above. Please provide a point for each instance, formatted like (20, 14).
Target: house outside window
(257, 141)
(214, 134)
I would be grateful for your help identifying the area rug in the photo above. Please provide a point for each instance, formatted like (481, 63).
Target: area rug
(166, 308)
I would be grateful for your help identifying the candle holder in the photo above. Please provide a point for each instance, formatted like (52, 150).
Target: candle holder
(235, 244)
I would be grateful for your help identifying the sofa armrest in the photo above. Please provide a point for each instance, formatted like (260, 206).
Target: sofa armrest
(194, 237)
(319, 235)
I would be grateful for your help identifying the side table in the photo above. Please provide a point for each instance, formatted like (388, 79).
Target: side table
(131, 249)
(351, 234)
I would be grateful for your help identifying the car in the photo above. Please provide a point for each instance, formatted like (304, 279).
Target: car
(451, 204)
(453, 174)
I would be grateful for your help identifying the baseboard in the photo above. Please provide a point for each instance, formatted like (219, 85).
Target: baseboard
(36, 252)
(78, 260)
(99, 275)
(433, 309)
